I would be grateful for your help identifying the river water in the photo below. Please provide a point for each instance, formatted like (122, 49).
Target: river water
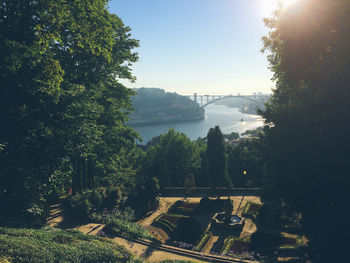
(229, 120)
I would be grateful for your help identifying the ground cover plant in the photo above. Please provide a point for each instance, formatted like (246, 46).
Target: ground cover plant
(56, 245)
(251, 210)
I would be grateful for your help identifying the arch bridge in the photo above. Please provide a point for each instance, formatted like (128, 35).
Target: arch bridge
(205, 100)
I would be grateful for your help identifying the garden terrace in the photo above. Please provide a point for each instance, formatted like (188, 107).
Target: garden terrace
(168, 222)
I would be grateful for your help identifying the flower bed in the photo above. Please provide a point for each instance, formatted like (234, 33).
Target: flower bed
(202, 241)
(251, 210)
(239, 246)
(234, 245)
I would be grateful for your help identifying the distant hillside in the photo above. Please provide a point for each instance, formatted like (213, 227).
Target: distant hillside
(155, 106)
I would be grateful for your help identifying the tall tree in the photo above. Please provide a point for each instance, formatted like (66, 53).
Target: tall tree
(60, 97)
(172, 159)
(309, 118)
(216, 157)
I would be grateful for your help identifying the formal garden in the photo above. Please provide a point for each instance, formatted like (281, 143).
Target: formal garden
(203, 225)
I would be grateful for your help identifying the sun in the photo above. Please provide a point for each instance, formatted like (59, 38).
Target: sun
(269, 5)
(286, 3)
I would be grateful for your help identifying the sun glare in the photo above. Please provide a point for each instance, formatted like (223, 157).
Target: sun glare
(269, 5)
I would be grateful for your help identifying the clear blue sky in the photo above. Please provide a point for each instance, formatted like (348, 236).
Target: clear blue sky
(203, 46)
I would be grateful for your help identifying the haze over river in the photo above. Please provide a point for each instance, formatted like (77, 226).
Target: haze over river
(229, 120)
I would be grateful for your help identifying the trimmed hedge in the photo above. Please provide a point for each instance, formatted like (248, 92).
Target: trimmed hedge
(202, 241)
(56, 245)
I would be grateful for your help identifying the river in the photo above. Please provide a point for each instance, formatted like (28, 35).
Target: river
(229, 120)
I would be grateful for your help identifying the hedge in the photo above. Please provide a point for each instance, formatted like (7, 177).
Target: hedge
(202, 241)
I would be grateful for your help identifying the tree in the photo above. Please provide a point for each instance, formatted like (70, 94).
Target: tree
(60, 96)
(171, 159)
(217, 159)
(308, 116)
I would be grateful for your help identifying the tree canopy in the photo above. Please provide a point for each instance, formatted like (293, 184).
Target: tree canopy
(217, 163)
(60, 99)
(308, 117)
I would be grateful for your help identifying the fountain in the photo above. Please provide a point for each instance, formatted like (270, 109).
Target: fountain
(225, 220)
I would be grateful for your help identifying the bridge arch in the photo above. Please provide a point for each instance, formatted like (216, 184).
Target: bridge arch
(227, 97)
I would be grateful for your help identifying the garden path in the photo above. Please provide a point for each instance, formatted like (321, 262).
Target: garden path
(55, 217)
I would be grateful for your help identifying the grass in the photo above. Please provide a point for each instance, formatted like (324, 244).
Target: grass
(55, 245)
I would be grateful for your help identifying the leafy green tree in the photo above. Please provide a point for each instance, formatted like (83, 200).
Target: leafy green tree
(217, 163)
(171, 159)
(308, 118)
(247, 155)
(60, 97)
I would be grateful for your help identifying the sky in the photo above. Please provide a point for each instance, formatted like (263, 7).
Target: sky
(198, 46)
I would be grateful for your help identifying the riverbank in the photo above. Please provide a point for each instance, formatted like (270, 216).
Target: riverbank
(229, 119)
(163, 120)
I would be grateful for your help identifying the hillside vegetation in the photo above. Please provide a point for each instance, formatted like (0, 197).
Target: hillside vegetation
(155, 106)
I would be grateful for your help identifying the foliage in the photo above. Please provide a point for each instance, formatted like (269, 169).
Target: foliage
(90, 203)
(55, 245)
(232, 136)
(308, 118)
(171, 159)
(217, 164)
(156, 106)
(124, 228)
(247, 155)
(202, 241)
(61, 100)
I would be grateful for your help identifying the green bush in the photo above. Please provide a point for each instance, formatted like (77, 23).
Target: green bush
(55, 245)
(94, 204)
